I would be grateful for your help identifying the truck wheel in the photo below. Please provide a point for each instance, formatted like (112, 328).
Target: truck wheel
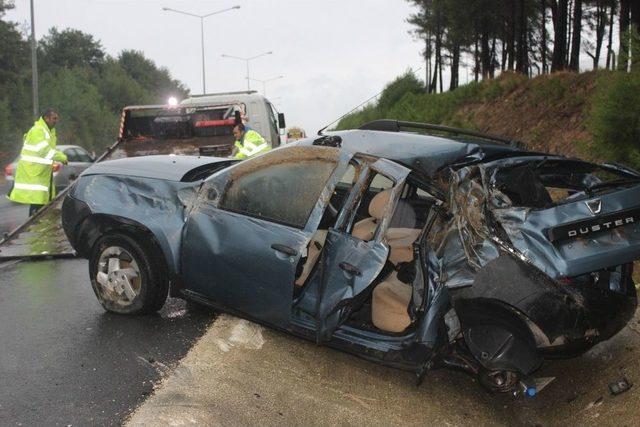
(127, 277)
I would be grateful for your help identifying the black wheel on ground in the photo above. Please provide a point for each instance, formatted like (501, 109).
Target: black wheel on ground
(128, 277)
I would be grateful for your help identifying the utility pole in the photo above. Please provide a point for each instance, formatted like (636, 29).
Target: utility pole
(34, 66)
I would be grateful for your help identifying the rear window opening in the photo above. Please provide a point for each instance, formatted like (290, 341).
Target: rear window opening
(542, 184)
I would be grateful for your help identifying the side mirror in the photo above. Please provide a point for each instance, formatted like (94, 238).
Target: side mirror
(281, 123)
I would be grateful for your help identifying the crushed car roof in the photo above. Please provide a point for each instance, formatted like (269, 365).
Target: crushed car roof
(426, 153)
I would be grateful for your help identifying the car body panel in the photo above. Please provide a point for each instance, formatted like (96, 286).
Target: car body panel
(170, 168)
(154, 204)
(231, 258)
(488, 270)
(426, 154)
(574, 256)
(349, 265)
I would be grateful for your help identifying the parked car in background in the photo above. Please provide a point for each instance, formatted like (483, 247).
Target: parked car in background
(79, 160)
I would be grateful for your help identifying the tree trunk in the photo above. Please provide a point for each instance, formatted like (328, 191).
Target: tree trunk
(433, 86)
(476, 57)
(440, 71)
(533, 66)
(492, 69)
(485, 53)
(610, 53)
(522, 50)
(569, 33)
(559, 12)
(455, 67)
(543, 42)
(574, 63)
(623, 54)
(511, 25)
(503, 62)
(438, 58)
(437, 68)
(601, 27)
(635, 32)
(427, 57)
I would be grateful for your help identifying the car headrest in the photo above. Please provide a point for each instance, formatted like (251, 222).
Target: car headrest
(378, 203)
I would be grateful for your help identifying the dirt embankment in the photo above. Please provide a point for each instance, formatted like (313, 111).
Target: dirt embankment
(547, 113)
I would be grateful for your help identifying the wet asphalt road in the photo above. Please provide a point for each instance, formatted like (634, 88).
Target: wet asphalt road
(63, 360)
(11, 214)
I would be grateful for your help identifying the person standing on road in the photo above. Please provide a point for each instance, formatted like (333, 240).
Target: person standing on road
(249, 143)
(33, 181)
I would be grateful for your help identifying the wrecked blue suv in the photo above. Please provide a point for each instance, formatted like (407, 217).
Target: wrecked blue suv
(410, 249)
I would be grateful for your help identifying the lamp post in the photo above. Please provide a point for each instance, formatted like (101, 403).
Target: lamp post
(264, 83)
(34, 66)
(201, 17)
(247, 60)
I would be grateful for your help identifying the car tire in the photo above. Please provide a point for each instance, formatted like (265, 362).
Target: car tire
(128, 277)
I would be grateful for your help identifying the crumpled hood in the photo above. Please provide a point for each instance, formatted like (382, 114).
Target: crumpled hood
(169, 167)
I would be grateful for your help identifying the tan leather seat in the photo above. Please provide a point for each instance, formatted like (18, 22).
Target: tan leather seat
(366, 228)
(390, 303)
(400, 242)
(313, 253)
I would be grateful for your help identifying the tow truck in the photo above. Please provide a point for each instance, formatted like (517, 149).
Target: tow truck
(200, 125)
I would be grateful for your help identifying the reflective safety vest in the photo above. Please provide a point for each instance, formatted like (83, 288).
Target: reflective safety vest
(33, 183)
(251, 145)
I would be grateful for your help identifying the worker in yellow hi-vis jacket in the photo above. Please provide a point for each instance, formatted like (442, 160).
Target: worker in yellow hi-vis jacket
(249, 143)
(33, 181)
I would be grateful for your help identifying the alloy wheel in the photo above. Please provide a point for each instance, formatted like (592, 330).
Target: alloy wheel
(118, 276)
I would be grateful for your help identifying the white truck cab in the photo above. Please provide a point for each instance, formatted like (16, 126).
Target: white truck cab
(199, 125)
(256, 111)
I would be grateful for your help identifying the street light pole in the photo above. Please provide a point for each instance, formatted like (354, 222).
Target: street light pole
(264, 83)
(248, 80)
(247, 60)
(34, 66)
(201, 17)
(204, 83)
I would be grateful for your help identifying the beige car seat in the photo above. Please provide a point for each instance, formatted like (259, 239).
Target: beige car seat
(400, 242)
(366, 228)
(390, 303)
(391, 297)
(313, 253)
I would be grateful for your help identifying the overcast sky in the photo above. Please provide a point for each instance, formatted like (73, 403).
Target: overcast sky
(333, 54)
